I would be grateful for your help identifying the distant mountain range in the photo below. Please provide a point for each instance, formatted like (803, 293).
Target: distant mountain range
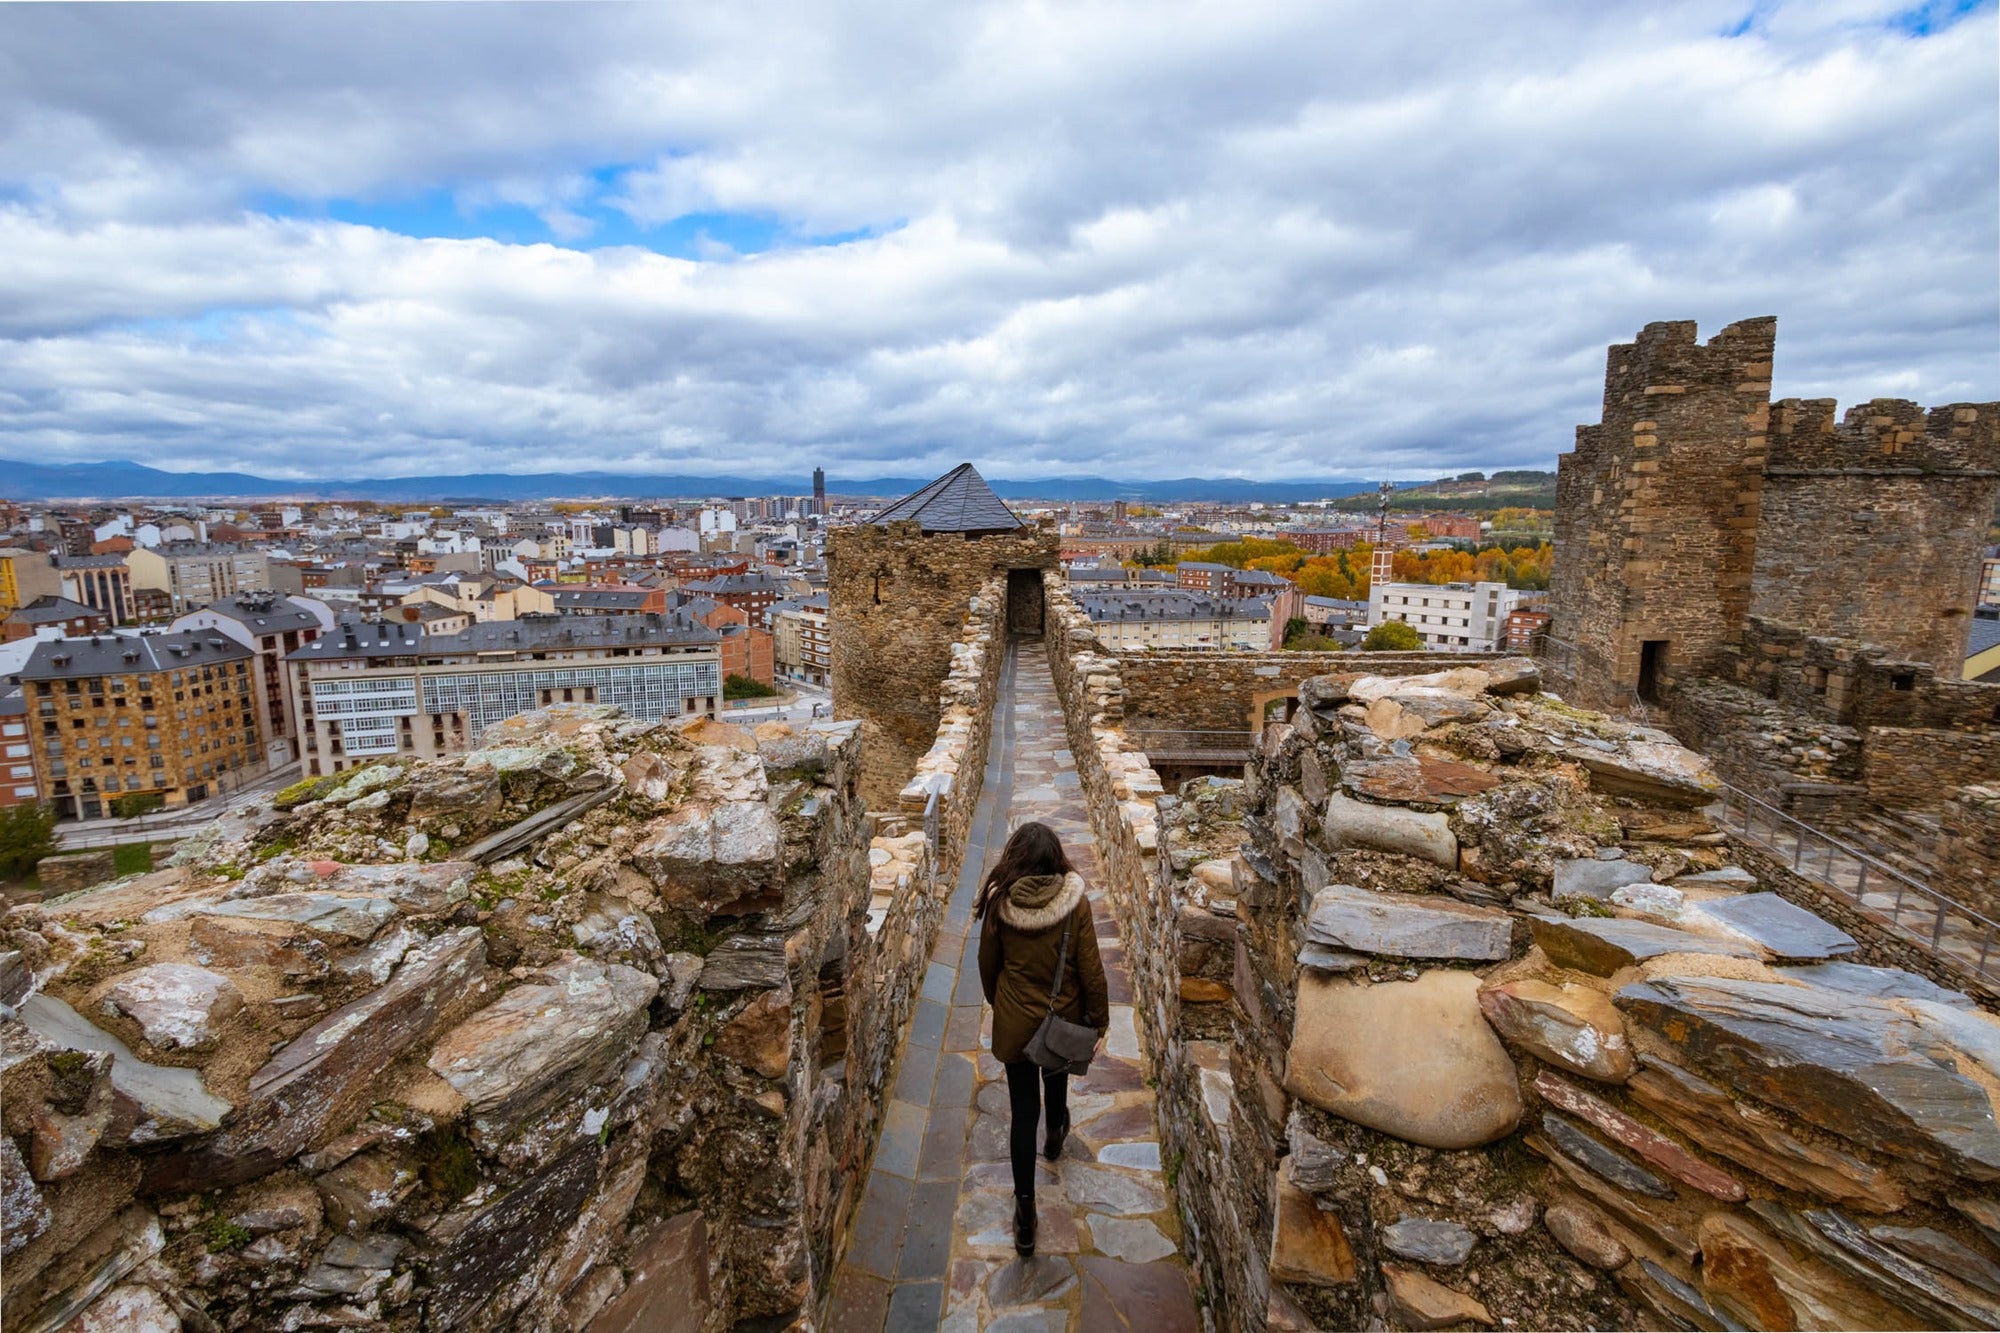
(134, 481)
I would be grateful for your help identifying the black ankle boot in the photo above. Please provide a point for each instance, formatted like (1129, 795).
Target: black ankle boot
(1058, 1131)
(1024, 1224)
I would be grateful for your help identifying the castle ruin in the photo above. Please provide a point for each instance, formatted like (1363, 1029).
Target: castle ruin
(1697, 505)
(1459, 1009)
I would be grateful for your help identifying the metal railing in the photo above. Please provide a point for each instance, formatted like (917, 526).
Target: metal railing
(1176, 745)
(1906, 905)
(932, 823)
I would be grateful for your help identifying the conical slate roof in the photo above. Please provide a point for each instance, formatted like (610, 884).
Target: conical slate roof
(959, 501)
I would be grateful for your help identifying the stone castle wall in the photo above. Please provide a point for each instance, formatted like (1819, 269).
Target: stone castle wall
(1657, 507)
(589, 1028)
(518, 1038)
(897, 601)
(910, 884)
(1174, 691)
(1613, 1122)
(1872, 527)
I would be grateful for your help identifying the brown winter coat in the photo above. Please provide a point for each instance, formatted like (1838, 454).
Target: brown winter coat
(1017, 960)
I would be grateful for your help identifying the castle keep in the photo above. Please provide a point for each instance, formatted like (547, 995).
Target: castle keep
(1697, 504)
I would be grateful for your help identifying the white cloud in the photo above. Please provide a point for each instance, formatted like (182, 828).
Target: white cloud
(1132, 239)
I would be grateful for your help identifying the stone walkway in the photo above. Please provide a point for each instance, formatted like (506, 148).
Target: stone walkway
(933, 1240)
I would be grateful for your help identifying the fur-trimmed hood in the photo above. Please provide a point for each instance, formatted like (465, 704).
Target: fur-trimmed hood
(1037, 902)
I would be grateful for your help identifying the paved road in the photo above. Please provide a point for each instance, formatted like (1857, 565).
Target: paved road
(80, 835)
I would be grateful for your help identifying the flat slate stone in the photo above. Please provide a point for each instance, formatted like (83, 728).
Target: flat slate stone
(1133, 1239)
(1415, 778)
(1656, 1148)
(1657, 771)
(155, 1102)
(1113, 1191)
(1587, 1152)
(1942, 1252)
(1429, 1240)
(324, 1074)
(1584, 878)
(1603, 945)
(1852, 1066)
(344, 916)
(1782, 929)
(1407, 925)
(1881, 983)
(541, 1044)
(1832, 1236)
(1322, 959)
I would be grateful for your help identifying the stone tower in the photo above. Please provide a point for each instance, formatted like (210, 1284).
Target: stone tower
(1698, 505)
(1657, 508)
(1873, 526)
(898, 587)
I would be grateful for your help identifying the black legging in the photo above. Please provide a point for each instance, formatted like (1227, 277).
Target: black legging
(1029, 1087)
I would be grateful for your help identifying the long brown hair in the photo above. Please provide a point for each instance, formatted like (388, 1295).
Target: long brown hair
(1034, 849)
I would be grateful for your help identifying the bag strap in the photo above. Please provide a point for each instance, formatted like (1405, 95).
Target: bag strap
(1062, 958)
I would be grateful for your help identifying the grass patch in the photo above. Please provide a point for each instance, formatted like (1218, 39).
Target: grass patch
(132, 858)
(223, 1234)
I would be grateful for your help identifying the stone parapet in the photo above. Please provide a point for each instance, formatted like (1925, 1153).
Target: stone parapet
(1510, 1036)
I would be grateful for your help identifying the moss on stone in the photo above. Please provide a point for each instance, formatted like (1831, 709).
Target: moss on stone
(446, 1164)
(223, 1235)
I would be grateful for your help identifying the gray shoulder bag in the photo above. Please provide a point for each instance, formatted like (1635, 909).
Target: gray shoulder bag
(1059, 1045)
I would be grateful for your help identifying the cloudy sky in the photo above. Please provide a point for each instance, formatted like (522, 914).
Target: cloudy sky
(1152, 239)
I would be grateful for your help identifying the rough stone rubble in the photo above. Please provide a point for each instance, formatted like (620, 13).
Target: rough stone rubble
(516, 1038)
(1470, 1018)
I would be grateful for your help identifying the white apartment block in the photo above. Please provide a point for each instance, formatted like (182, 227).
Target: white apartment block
(368, 690)
(1459, 617)
(194, 574)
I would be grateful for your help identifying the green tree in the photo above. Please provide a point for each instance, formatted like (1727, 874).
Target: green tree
(27, 834)
(1294, 627)
(744, 687)
(1392, 636)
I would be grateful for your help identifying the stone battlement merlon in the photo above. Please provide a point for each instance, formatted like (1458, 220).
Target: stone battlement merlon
(1667, 358)
(1891, 436)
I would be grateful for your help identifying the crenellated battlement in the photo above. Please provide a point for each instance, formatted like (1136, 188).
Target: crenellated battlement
(1888, 435)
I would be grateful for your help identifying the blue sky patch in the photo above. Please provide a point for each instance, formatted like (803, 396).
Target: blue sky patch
(447, 214)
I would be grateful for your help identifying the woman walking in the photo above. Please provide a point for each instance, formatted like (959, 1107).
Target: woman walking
(1036, 916)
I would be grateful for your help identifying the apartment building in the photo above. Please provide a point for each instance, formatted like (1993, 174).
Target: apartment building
(101, 582)
(194, 574)
(24, 576)
(1098, 578)
(59, 614)
(17, 755)
(1457, 616)
(271, 626)
(1989, 582)
(172, 715)
(622, 599)
(753, 594)
(368, 690)
(1129, 620)
(800, 648)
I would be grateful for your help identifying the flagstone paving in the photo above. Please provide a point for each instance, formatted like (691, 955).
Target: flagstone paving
(932, 1244)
